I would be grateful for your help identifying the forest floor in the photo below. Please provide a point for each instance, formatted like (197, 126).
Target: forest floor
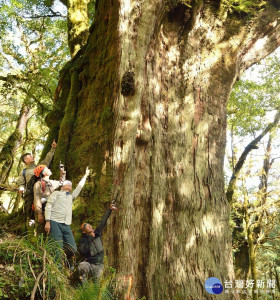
(28, 271)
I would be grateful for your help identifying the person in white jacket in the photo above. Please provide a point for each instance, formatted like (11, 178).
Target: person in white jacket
(58, 215)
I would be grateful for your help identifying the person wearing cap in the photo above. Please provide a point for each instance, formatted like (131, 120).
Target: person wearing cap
(42, 190)
(26, 175)
(91, 248)
(58, 214)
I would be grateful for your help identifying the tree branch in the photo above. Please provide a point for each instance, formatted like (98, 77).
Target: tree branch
(10, 188)
(52, 14)
(265, 38)
(12, 77)
(7, 60)
(42, 106)
(30, 266)
(17, 77)
(58, 15)
(247, 150)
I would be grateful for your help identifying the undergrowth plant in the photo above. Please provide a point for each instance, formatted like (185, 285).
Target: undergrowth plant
(28, 270)
(94, 291)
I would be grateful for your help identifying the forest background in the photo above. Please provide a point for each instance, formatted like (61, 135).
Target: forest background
(39, 41)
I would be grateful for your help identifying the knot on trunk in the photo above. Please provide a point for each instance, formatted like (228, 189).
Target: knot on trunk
(128, 84)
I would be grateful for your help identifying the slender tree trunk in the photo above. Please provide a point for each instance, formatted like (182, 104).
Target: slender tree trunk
(13, 143)
(19, 169)
(251, 248)
(277, 278)
(150, 116)
(242, 261)
(266, 168)
(253, 267)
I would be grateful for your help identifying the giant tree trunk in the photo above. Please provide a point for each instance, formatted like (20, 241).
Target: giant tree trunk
(145, 107)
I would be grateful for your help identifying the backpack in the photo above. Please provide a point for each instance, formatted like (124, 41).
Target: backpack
(43, 185)
(29, 192)
(30, 184)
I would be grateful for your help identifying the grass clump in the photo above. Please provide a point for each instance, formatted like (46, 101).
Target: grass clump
(94, 291)
(28, 270)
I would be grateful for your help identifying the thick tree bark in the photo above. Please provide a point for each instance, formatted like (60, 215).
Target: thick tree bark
(150, 116)
(13, 143)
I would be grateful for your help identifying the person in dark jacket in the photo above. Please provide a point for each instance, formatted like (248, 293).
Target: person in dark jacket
(91, 248)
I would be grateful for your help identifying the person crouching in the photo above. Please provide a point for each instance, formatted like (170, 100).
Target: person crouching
(92, 248)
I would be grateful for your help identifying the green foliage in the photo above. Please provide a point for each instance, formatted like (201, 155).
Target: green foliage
(94, 291)
(91, 11)
(33, 39)
(244, 6)
(33, 51)
(22, 260)
(245, 108)
(252, 102)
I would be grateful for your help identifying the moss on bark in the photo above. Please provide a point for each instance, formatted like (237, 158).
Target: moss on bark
(82, 118)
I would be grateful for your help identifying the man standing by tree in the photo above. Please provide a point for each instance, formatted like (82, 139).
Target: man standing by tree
(26, 175)
(58, 214)
(92, 248)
